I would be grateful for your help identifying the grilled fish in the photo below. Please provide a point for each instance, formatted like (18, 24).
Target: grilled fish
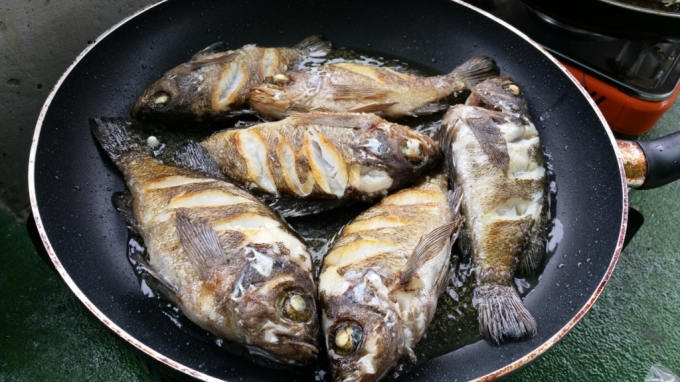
(495, 152)
(226, 260)
(213, 84)
(380, 281)
(354, 87)
(324, 156)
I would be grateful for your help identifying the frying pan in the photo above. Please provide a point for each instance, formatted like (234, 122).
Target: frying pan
(613, 18)
(71, 180)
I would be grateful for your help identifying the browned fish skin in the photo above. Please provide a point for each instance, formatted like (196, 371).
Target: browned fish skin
(497, 159)
(225, 259)
(324, 156)
(363, 88)
(378, 288)
(212, 84)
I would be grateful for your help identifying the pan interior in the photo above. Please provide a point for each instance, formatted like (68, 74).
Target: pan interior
(74, 181)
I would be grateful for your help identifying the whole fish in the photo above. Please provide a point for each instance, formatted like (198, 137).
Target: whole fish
(225, 259)
(494, 150)
(213, 84)
(333, 156)
(353, 87)
(380, 281)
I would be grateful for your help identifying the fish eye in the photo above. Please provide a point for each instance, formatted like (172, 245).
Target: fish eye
(413, 150)
(160, 99)
(295, 306)
(346, 338)
(512, 88)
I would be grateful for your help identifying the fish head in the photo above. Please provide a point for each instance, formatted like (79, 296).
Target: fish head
(364, 341)
(501, 94)
(175, 95)
(400, 151)
(276, 311)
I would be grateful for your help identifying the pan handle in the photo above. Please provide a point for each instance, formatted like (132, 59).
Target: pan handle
(651, 164)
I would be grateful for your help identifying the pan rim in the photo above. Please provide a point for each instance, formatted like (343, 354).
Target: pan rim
(508, 369)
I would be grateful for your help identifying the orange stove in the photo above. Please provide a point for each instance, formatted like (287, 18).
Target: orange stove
(625, 113)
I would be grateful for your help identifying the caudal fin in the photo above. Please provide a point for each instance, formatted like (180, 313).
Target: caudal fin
(502, 316)
(114, 136)
(314, 46)
(193, 156)
(476, 70)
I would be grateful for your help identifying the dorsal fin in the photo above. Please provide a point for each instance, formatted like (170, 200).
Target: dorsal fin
(314, 46)
(221, 59)
(208, 50)
(428, 247)
(490, 138)
(199, 242)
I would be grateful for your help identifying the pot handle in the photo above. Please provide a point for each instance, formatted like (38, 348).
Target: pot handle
(651, 164)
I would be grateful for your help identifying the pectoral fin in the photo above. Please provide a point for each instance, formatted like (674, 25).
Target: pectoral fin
(491, 139)
(199, 242)
(428, 247)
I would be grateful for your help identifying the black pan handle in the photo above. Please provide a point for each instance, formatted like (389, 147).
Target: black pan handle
(663, 160)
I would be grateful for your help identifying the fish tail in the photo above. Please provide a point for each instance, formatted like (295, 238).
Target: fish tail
(314, 46)
(502, 316)
(192, 156)
(114, 136)
(475, 70)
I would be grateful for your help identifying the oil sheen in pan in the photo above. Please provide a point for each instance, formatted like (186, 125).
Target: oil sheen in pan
(455, 322)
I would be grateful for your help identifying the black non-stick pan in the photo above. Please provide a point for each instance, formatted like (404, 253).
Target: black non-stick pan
(72, 181)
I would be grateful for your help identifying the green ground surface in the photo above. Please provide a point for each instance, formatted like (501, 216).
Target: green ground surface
(46, 334)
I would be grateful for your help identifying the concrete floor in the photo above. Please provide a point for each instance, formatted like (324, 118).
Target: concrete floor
(38, 40)
(46, 335)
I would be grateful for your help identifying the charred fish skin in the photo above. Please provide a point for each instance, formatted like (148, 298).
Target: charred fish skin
(225, 259)
(494, 151)
(353, 87)
(212, 85)
(380, 281)
(329, 156)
